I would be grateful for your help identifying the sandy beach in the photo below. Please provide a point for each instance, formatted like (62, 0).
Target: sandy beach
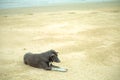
(87, 37)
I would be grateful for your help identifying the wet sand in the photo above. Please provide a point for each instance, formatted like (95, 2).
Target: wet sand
(87, 38)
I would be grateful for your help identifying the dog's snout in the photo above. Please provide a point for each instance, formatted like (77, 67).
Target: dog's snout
(58, 61)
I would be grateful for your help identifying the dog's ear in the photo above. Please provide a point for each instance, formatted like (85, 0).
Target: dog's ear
(51, 57)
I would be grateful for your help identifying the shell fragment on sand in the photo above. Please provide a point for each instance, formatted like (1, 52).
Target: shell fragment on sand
(59, 69)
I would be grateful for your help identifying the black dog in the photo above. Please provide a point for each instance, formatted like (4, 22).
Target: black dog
(42, 60)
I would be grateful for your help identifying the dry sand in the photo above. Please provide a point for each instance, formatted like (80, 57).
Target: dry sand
(88, 41)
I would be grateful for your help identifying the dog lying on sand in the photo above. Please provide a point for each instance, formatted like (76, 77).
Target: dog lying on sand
(43, 60)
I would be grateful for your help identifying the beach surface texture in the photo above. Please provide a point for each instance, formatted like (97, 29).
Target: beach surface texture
(86, 35)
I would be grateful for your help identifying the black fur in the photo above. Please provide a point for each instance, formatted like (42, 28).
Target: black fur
(43, 60)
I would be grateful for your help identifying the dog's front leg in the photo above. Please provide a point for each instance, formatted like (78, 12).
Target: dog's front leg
(54, 66)
(45, 66)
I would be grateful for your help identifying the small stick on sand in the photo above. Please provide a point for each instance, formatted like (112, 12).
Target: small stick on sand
(59, 69)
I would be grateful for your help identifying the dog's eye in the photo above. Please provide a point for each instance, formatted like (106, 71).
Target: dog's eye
(54, 56)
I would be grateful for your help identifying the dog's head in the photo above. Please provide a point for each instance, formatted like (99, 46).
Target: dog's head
(54, 56)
